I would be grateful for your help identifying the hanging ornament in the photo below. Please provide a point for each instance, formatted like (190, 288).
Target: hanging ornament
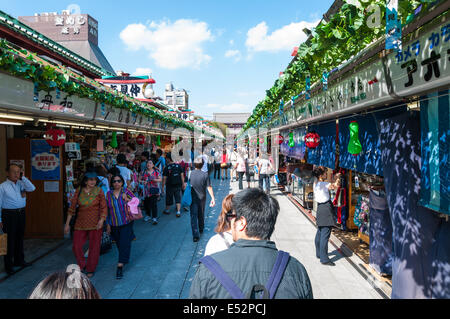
(58, 93)
(36, 92)
(354, 146)
(158, 140)
(55, 137)
(291, 140)
(140, 140)
(114, 143)
(312, 140)
(325, 80)
(279, 139)
(308, 87)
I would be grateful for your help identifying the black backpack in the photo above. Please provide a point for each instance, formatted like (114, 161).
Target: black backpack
(174, 175)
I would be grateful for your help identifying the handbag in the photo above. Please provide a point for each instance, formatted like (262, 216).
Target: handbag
(3, 244)
(187, 196)
(133, 210)
(106, 243)
(224, 165)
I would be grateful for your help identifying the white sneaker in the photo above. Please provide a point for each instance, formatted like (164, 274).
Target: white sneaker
(178, 214)
(146, 218)
(155, 221)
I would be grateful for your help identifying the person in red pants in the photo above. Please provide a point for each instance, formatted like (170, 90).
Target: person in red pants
(92, 212)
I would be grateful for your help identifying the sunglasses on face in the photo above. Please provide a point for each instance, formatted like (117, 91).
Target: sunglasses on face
(116, 181)
(230, 215)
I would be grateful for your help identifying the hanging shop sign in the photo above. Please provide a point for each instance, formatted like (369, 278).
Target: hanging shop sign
(18, 94)
(45, 162)
(297, 151)
(423, 63)
(73, 151)
(136, 87)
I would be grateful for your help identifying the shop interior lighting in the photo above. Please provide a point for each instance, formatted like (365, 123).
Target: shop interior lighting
(103, 127)
(16, 117)
(11, 123)
(67, 123)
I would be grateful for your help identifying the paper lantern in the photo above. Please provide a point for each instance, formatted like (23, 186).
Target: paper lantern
(312, 140)
(140, 140)
(114, 143)
(279, 139)
(55, 137)
(354, 146)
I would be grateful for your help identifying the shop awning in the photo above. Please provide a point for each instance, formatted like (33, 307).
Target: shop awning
(325, 153)
(435, 127)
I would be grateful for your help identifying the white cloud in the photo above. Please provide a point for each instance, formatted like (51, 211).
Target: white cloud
(142, 71)
(231, 42)
(171, 45)
(235, 54)
(233, 107)
(285, 38)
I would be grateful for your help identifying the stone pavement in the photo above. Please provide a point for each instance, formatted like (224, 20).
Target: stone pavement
(164, 258)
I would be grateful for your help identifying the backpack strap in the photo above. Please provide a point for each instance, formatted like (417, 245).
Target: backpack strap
(222, 277)
(277, 273)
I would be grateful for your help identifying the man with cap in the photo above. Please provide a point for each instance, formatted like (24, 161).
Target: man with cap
(200, 182)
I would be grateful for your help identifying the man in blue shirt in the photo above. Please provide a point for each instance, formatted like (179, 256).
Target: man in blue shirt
(12, 215)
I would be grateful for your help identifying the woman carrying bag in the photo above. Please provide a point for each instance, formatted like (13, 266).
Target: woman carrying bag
(120, 221)
(90, 204)
(150, 178)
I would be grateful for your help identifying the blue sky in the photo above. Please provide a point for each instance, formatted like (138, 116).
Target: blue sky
(225, 53)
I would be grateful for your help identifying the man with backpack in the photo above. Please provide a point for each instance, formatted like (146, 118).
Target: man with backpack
(173, 179)
(252, 267)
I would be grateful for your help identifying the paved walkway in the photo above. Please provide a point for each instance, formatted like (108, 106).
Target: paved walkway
(164, 258)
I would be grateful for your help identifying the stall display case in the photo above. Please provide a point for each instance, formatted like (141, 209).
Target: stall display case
(359, 191)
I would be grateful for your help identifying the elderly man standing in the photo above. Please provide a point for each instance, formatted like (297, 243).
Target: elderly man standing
(12, 215)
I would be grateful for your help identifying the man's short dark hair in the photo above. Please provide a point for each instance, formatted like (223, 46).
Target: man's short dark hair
(169, 157)
(121, 158)
(146, 155)
(259, 209)
(199, 165)
(159, 152)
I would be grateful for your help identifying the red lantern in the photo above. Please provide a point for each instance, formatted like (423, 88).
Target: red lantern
(312, 140)
(140, 140)
(55, 137)
(279, 139)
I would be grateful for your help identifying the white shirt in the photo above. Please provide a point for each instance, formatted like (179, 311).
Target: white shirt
(321, 192)
(218, 243)
(11, 194)
(205, 163)
(265, 164)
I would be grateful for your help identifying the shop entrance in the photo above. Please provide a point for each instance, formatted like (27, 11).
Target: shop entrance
(44, 211)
